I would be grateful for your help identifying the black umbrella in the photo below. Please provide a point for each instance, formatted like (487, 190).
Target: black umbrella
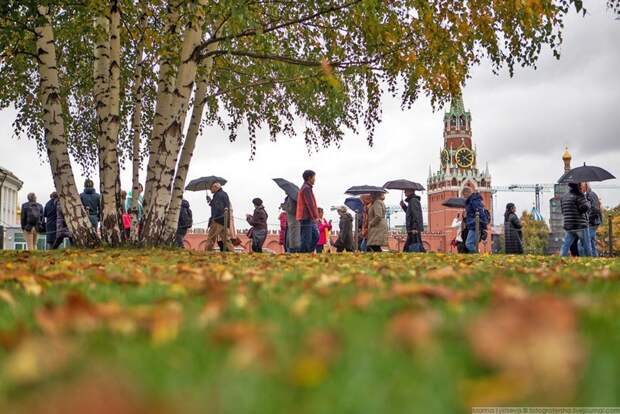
(404, 185)
(364, 189)
(455, 202)
(289, 188)
(354, 204)
(585, 173)
(204, 183)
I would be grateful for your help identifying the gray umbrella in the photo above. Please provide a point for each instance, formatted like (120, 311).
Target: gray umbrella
(364, 189)
(289, 188)
(584, 174)
(455, 202)
(204, 183)
(403, 185)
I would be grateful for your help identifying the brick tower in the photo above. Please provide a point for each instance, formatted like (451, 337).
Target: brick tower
(459, 168)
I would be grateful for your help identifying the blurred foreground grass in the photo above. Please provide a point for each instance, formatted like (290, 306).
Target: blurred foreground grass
(162, 331)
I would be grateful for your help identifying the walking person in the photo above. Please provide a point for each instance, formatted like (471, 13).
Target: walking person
(129, 200)
(293, 229)
(91, 202)
(186, 222)
(49, 211)
(363, 243)
(513, 231)
(283, 218)
(62, 231)
(324, 228)
(575, 207)
(307, 213)
(345, 227)
(220, 205)
(31, 220)
(258, 221)
(595, 217)
(377, 224)
(474, 206)
(414, 222)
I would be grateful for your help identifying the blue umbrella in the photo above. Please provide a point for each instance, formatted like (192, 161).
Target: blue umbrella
(354, 204)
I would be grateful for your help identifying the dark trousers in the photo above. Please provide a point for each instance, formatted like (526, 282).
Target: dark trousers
(319, 248)
(258, 239)
(179, 237)
(59, 240)
(309, 236)
(374, 248)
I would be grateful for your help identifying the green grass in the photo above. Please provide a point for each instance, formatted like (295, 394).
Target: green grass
(177, 331)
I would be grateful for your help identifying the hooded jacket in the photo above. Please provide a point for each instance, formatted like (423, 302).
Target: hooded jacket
(92, 203)
(475, 204)
(258, 220)
(414, 217)
(185, 217)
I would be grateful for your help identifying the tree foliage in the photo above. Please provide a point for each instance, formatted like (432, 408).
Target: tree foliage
(535, 234)
(603, 231)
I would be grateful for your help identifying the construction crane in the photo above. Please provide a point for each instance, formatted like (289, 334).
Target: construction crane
(538, 189)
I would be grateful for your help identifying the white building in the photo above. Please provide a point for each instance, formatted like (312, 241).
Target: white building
(9, 188)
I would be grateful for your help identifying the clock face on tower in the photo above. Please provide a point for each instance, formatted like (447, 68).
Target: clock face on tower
(464, 158)
(445, 157)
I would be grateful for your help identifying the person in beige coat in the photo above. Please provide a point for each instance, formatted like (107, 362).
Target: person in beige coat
(377, 225)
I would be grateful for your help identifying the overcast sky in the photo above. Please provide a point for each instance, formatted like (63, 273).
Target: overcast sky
(520, 127)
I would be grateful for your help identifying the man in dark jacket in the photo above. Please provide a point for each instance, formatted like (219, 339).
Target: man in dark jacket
(345, 228)
(414, 222)
(258, 221)
(575, 209)
(307, 213)
(185, 223)
(92, 202)
(31, 220)
(595, 217)
(220, 205)
(50, 220)
(474, 206)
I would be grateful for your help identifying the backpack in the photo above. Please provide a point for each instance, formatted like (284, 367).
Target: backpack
(33, 216)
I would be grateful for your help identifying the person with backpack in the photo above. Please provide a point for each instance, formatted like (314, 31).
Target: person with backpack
(185, 223)
(575, 207)
(595, 217)
(32, 221)
(92, 202)
(50, 220)
(474, 206)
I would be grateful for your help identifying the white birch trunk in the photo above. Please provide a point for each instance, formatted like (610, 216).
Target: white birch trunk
(172, 214)
(167, 152)
(56, 143)
(101, 86)
(165, 85)
(110, 178)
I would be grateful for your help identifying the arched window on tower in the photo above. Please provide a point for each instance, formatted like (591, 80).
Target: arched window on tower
(453, 122)
(483, 183)
(462, 123)
(454, 182)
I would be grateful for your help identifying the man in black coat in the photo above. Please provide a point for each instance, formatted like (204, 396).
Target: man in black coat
(92, 202)
(185, 223)
(31, 221)
(595, 217)
(220, 204)
(414, 222)
(575, 209)
(50, 213)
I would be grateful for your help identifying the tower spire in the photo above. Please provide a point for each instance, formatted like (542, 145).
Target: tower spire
(567, 158)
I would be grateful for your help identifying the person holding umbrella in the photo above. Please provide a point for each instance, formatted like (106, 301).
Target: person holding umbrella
(595, 216)
(377, 224)
(575, 207)
(307, 213)
(363, 242)
(220, 205)
(290, 235)
(414, 222)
